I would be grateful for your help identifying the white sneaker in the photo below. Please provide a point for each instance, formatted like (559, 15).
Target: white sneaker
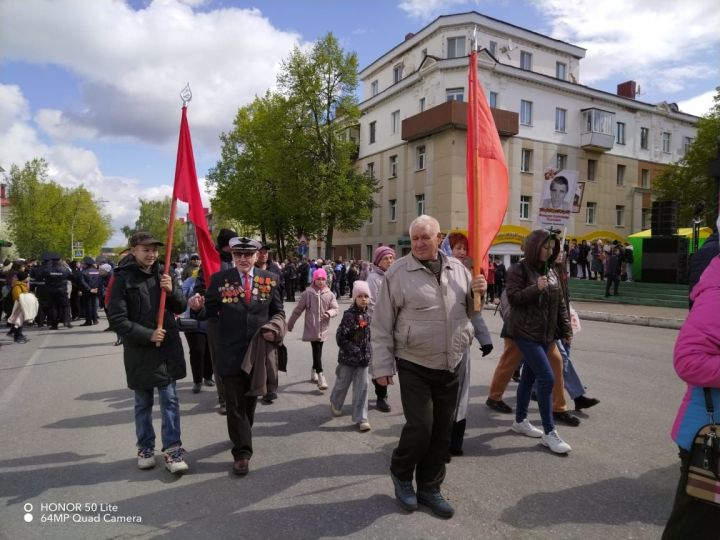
(553, 441)
(313, 376)
(334, 411)
(145, 458)
(322, 383)
(364, 426)
(174, 459)
(526, 428)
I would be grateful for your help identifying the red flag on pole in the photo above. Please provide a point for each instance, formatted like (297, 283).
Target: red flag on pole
(487, 174)
(186, 189)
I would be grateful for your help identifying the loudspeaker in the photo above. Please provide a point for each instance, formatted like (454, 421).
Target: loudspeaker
(663, 220)
(665, 259)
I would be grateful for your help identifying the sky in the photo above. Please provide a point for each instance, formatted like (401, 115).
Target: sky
(92, 86)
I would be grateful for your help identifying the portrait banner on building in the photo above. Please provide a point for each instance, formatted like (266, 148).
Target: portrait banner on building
(578, 198)
(556, 201)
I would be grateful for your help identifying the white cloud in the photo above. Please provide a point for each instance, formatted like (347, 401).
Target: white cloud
(60, 127)
(664, 45)
(699, 105)
(133, 64)
(13, 106)
(428, 9)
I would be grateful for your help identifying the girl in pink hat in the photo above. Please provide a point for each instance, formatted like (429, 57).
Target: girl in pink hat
(320, 305)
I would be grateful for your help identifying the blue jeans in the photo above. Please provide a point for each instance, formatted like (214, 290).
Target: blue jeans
(573, 384)
(537, 367)
(170, 414)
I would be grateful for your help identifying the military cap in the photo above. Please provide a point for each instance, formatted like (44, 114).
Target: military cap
(144, 239)
(242, 243)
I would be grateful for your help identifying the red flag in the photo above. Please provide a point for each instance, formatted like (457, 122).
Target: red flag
(186, 190)
(487, 174)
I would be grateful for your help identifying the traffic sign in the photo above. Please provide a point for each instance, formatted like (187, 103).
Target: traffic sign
(79, 253)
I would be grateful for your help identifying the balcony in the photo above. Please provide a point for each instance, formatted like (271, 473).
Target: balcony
(597, 133)
(453, 115)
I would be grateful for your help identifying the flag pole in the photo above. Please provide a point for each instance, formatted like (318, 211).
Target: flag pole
(185, 96)
(472, 134)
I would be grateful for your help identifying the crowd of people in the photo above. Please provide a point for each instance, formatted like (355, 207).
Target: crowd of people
(412, 318)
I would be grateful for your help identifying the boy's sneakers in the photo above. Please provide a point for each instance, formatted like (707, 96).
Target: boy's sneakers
(322, 383)
(174, 461)
(21, 339)
(364, 426)
(146, 458)
(526, 428)
(196, 387)
(553, 441)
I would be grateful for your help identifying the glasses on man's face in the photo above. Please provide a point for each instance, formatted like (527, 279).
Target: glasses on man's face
(242, 255)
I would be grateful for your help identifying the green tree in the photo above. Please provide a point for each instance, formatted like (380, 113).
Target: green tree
(46, 216)
(154, 218)
(688, 181)
(321, 85)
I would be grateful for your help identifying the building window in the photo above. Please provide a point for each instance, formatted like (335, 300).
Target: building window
(645, 178)
(687, 143)
(493, 99)
(374, 88)
(646, 218)
(372, 216)
(371, 169)
(420, 157)
(666, 137)
(560, 71)
(598, 121)
(492, 47)
(560, 115)
(620, 177)
(526, 156)
(525, 202)
(420, 204)
(392, 210)
(395, 121)
(456, 47)
(526, 112)
(619, 216)
(561, 162)
(372, 132)
(397, 73)
(591, 213)
(592, 169)
(621, 132)
(422, 104)
(369, 250)
(525, 61)
(644, 135)
(393, 166)
(454, 94)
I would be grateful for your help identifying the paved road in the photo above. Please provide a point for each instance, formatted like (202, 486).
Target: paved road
(68, 437)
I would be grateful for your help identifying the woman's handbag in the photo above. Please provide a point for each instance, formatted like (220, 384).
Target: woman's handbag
(703, 481)
(186, 324)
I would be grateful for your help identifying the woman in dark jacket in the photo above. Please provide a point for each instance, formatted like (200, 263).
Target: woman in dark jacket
(538, 317)
(153, 357)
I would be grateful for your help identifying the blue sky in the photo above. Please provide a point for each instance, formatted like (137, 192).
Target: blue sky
(92, 86)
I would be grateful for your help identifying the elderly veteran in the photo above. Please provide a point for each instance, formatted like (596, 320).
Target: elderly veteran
(241, 300)
(421, 324)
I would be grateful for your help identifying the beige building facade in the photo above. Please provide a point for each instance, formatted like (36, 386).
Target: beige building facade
(413, 126)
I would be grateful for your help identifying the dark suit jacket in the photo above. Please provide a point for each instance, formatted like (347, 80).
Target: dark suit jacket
(237, 322)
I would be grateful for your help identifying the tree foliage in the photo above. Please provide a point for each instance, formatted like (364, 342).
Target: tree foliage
(287, 166)
(154, 218)
(47, 217)
(688, 181)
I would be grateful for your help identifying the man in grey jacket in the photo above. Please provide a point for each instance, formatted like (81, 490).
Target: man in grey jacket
(421, 324)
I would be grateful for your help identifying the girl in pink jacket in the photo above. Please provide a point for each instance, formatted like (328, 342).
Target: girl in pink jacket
(320, 305)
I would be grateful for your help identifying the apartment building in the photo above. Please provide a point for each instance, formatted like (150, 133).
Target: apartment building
(412, 135)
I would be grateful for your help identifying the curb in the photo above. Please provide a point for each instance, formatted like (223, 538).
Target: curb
(619, 318)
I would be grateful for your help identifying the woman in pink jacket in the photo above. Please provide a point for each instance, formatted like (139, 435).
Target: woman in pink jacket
(320, 305)
(697, 362)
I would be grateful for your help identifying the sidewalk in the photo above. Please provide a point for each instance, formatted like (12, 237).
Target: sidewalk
(658, 317)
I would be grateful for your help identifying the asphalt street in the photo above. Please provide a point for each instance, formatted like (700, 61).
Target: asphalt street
(68, 471)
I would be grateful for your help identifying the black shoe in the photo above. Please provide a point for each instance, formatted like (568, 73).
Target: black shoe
(86, 323)
(68, 326)
(53, 328)
(456, 451)
(382, 405)
(405, 493)
(498, 405)
(585, 403)
(269, 397)
(566, 418)
(21, 339)
(118, 342)
(516, 375)
(436, 502)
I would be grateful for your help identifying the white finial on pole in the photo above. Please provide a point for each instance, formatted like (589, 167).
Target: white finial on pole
(186, 95)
